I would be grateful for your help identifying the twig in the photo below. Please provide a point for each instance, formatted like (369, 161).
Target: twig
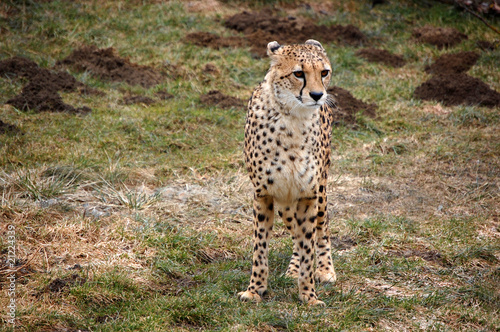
(478, 16)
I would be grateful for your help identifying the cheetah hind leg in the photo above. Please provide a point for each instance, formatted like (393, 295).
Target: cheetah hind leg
(325, 272)
(293, 268)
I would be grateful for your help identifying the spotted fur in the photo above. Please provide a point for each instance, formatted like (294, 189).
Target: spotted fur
(287, 154)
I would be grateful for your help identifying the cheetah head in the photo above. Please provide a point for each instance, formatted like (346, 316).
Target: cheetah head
(299, 74)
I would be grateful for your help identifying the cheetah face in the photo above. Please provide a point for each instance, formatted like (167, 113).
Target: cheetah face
(300, 74)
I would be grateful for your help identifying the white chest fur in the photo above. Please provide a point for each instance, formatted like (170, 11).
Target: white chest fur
(291, 169)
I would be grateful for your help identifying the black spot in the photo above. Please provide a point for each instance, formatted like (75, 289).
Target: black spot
(261, 217)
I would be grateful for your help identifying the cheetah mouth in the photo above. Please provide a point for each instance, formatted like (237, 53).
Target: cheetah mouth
(314, 104)
(310, 103)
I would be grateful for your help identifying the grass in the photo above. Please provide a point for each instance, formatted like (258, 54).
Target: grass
(138, 217)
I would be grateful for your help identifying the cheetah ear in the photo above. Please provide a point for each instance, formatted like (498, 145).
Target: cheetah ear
(272, 47)
(314, 43)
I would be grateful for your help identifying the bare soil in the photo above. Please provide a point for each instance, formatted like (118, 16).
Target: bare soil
(425, 254)
(6, 128)
(41, 92)
(210, 68)
(18, 67)
(451, 86)
(440, 37)
(343, 242)
(216, 98)
(348, 106)
(458, 89)
(381, 56)
(483, 7)
(262, 27)
(106, 65)
(60, 284)
(453, 63)
(208, 39)
(138, 99)
(164, 95)
(486, 45)
(293, 30)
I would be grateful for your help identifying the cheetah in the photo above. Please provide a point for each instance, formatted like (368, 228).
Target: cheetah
(287, 154)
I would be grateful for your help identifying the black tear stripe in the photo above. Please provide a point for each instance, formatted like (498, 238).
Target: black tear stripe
(305, 82)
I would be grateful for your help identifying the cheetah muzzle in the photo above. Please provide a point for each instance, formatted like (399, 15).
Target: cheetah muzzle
(287, 154)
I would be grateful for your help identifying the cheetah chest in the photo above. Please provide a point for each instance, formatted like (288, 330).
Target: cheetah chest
(287, 153)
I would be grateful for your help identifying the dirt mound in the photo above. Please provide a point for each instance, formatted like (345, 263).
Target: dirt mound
(18, 67)
(6, 128)
(164, 95)
(262, 27)
(381, 56)
(440, 37)
(453, 63)
(104, 64)
(342, 243)
(486, 45)
(40, 97)
(216, 98)
(348, 106)
(210, 68)
(60, 284)
(208, 39)
(458, 89)
(41, 92)
(138, 99)
(483, 7)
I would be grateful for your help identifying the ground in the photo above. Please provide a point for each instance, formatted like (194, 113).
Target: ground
(121, 166)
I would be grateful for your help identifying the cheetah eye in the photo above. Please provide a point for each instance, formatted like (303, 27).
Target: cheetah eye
(324, 73)
(299, 73)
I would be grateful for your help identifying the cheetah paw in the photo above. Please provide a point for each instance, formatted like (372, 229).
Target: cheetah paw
(312, 301)
(248, 296)
(316, 302)
(325, 277)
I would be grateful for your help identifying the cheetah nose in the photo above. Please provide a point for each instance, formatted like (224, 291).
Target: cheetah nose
(316, 95)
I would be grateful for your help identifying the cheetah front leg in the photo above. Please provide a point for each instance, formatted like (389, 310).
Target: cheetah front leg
(263, 212)
(305, 232)
(325, 271)
(288, 220)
